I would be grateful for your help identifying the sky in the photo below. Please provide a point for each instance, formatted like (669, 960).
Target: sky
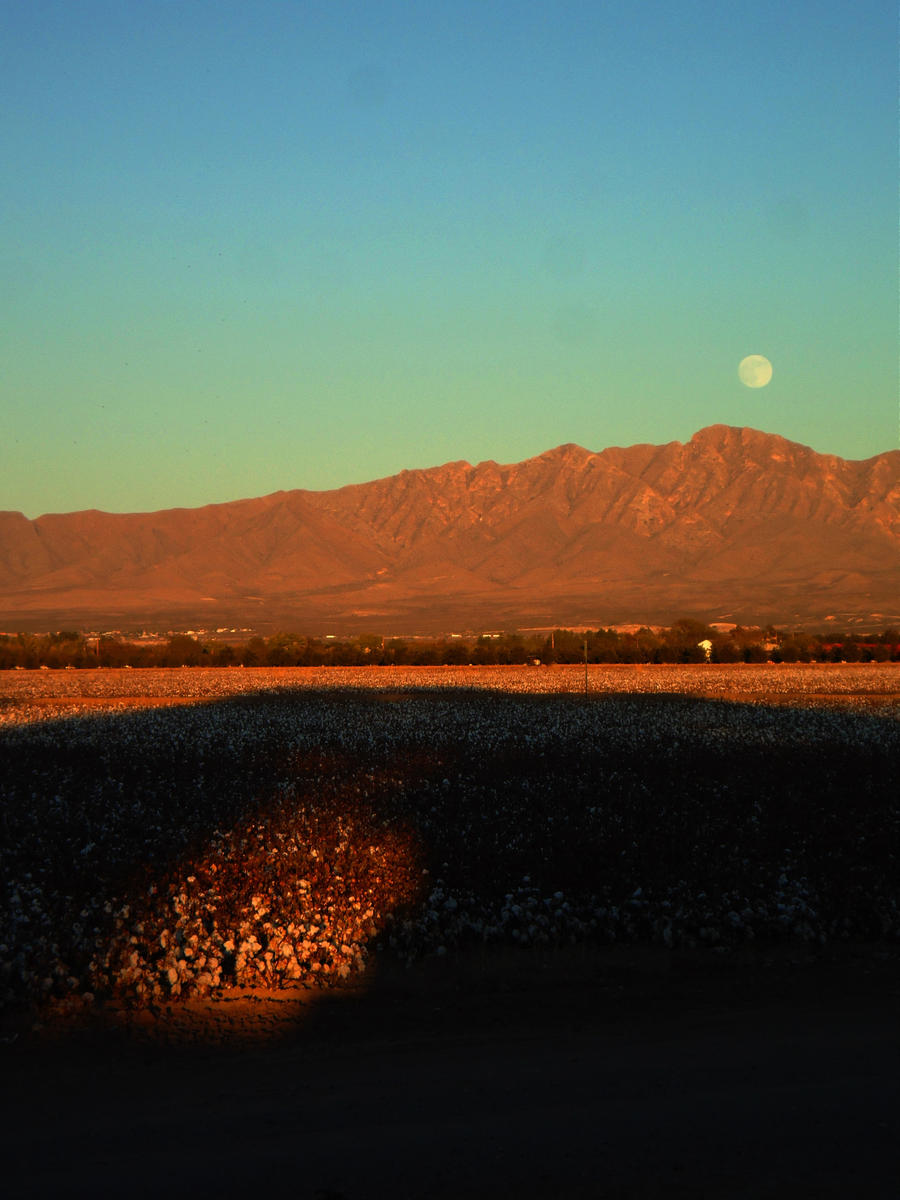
(247, 247)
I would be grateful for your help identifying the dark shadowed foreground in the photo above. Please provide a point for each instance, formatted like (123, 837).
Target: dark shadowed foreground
(624, 944)
(619, 1073)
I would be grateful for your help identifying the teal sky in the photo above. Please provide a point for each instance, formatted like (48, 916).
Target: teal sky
(254, 246)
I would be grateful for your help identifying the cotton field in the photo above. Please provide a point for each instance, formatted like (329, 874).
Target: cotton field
(170, 834)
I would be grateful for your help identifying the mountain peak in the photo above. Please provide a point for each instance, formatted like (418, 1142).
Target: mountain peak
(735, 524)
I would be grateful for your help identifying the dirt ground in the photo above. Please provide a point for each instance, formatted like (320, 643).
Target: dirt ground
(580, 1073)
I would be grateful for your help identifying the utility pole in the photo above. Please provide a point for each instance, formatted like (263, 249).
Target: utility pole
(585, 668)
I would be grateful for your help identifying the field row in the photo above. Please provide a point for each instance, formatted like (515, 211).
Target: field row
(33, 695)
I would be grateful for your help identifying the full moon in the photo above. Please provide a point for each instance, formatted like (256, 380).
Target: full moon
(755, 370)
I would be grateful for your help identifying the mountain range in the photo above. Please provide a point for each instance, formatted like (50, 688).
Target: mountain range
(733, 525)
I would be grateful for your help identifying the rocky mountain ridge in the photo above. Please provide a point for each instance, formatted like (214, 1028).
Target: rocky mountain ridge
(734, 524)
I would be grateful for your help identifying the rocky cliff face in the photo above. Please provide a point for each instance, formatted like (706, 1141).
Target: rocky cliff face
(733, 525)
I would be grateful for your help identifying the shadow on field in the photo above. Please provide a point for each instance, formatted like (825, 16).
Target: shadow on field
(629, 946)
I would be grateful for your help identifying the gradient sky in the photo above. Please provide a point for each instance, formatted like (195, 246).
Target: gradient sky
(254, 246)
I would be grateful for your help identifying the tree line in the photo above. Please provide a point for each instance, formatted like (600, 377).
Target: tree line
(686, 641)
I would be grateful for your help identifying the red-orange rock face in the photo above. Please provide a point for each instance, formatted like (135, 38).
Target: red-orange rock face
(733, 525)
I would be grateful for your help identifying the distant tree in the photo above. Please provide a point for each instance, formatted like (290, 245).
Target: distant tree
(647, 642)
(313, 653)
(370, 641)
(875, 652)
(396, 652)
(796, 647)
(346, 654)
(8, 657)
(511, 649)
(484, 652)
(28, 651)
(222, 654)
(725, 650)
(755, 652)
(568, 646)
(113, 652)
(851, 651)
(605, 645)
(254, 653)
(183, 651)
(64, 649)
(688, 629)
(456, 653)
(285, 650)
(685, 637)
